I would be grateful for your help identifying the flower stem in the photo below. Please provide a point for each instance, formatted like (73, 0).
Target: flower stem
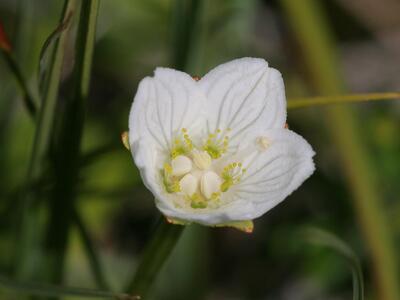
(337, 99)
(156, 253)
(314, 37)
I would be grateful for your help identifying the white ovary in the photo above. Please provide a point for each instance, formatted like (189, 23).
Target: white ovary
(181, 165)
(189, 184)
(210, 184)
(216, 150)
(201, 159)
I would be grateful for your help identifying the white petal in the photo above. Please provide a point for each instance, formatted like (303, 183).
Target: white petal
(237, 211)
(163, 105)
(276, 171)
(244, 95)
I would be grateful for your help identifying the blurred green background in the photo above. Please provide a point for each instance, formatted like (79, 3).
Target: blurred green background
(321, 48)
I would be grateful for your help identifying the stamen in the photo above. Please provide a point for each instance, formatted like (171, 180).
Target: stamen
(217, 143)
(231, 175)
(182, 145)
(263, 143)
(197, 201)
(170, 182)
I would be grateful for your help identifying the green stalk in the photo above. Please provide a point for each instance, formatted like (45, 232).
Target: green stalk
(28, 219)
(186, 16)
(329, 100)
(29, 99)
(66, 150)
(155, 254)
(314, 37)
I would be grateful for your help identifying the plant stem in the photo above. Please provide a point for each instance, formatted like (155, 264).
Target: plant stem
(338, 99)
(66, 150)
(155, 254)
(314, 37)
(29, 100)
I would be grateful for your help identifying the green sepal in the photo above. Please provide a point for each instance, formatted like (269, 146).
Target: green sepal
(245, 226)
(176, 221)
(125, 139)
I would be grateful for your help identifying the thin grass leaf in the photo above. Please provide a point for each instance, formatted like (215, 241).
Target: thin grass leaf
(48, 290)
(94, 260)
(66, 151)
(28, 98)
(186, 18)
(28, 213)
(6, 49)
(315, 40)
(51, 39)
(323, 238)
(339, 99)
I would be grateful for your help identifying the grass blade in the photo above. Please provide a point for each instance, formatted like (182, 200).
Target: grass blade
(66, 151)
(94, 260)
(29, 100)
(307, 20)
(323, 238)
(52, 38)
(6, 49)
(339, 99)
(28, 213)
(48, 290)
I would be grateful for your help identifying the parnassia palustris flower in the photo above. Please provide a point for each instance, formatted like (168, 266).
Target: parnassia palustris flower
(215, 151)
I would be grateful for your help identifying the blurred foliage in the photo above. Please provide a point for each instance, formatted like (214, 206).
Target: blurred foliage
(133, 37)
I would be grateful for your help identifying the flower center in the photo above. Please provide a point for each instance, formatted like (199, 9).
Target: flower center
(191, 172)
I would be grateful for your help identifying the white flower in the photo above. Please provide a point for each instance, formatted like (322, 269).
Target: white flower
(216, 151)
